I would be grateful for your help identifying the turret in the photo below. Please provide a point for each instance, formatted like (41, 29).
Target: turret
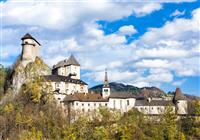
(106, 87)
(181, 102)
(30, 48)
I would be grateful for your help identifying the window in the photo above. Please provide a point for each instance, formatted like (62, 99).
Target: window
(58, 98)
(77, 104)
(94, 104)
(105, 104)
(57, 84)
(83, 110)
(152, 108)
(82, 104)
(127, 102)
(88, 104)
(99, 104)
(72, 104)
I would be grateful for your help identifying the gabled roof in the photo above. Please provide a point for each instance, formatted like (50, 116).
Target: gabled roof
(94, 97)
(121, 95)
(67, 62)
(178, 95)
(28, 36)
(59, 78)
(72, 61)
(145, 102)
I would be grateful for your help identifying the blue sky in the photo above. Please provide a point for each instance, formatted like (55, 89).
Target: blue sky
(140, 43)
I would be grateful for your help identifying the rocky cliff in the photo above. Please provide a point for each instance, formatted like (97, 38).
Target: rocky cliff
(22, 74)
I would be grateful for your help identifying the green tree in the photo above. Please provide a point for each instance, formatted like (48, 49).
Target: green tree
(169, 123)
(3, 75)
(32, 134)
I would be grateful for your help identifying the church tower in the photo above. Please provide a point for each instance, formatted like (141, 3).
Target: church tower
(106, 87)
(30, 49)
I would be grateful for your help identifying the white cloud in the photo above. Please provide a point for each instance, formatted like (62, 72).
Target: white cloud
(177, 13)
(113, 75)
(157, 63)
(178, 82)
(162, 52)
(127, 30)
(142, 10)
(66, 15)
(160, 75)
(151, 60)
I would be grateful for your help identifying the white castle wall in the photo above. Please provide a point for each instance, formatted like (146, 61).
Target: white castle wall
(65, 71)
(69, 88)
(182, 107)
(153, 110)
(73, 70)
(123, 105)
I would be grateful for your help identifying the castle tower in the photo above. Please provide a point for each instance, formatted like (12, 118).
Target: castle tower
(181, 102)
(30, 49)
(73, 68)
(106, 87)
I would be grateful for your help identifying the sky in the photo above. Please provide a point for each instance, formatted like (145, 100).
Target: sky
(141, 43)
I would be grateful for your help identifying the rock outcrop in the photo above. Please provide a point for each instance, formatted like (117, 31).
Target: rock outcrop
(22, 74)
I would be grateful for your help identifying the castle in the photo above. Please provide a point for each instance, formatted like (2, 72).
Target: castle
(72, 93)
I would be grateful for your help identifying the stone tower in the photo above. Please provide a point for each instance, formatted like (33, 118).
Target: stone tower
(30, 49)
(106, 87)
(180, 102)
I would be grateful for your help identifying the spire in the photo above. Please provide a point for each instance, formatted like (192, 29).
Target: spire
(106, 83)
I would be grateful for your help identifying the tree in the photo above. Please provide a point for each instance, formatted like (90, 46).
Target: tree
(3, 74)
(169, 123)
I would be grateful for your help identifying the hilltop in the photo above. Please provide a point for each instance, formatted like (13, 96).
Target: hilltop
(139, 92)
